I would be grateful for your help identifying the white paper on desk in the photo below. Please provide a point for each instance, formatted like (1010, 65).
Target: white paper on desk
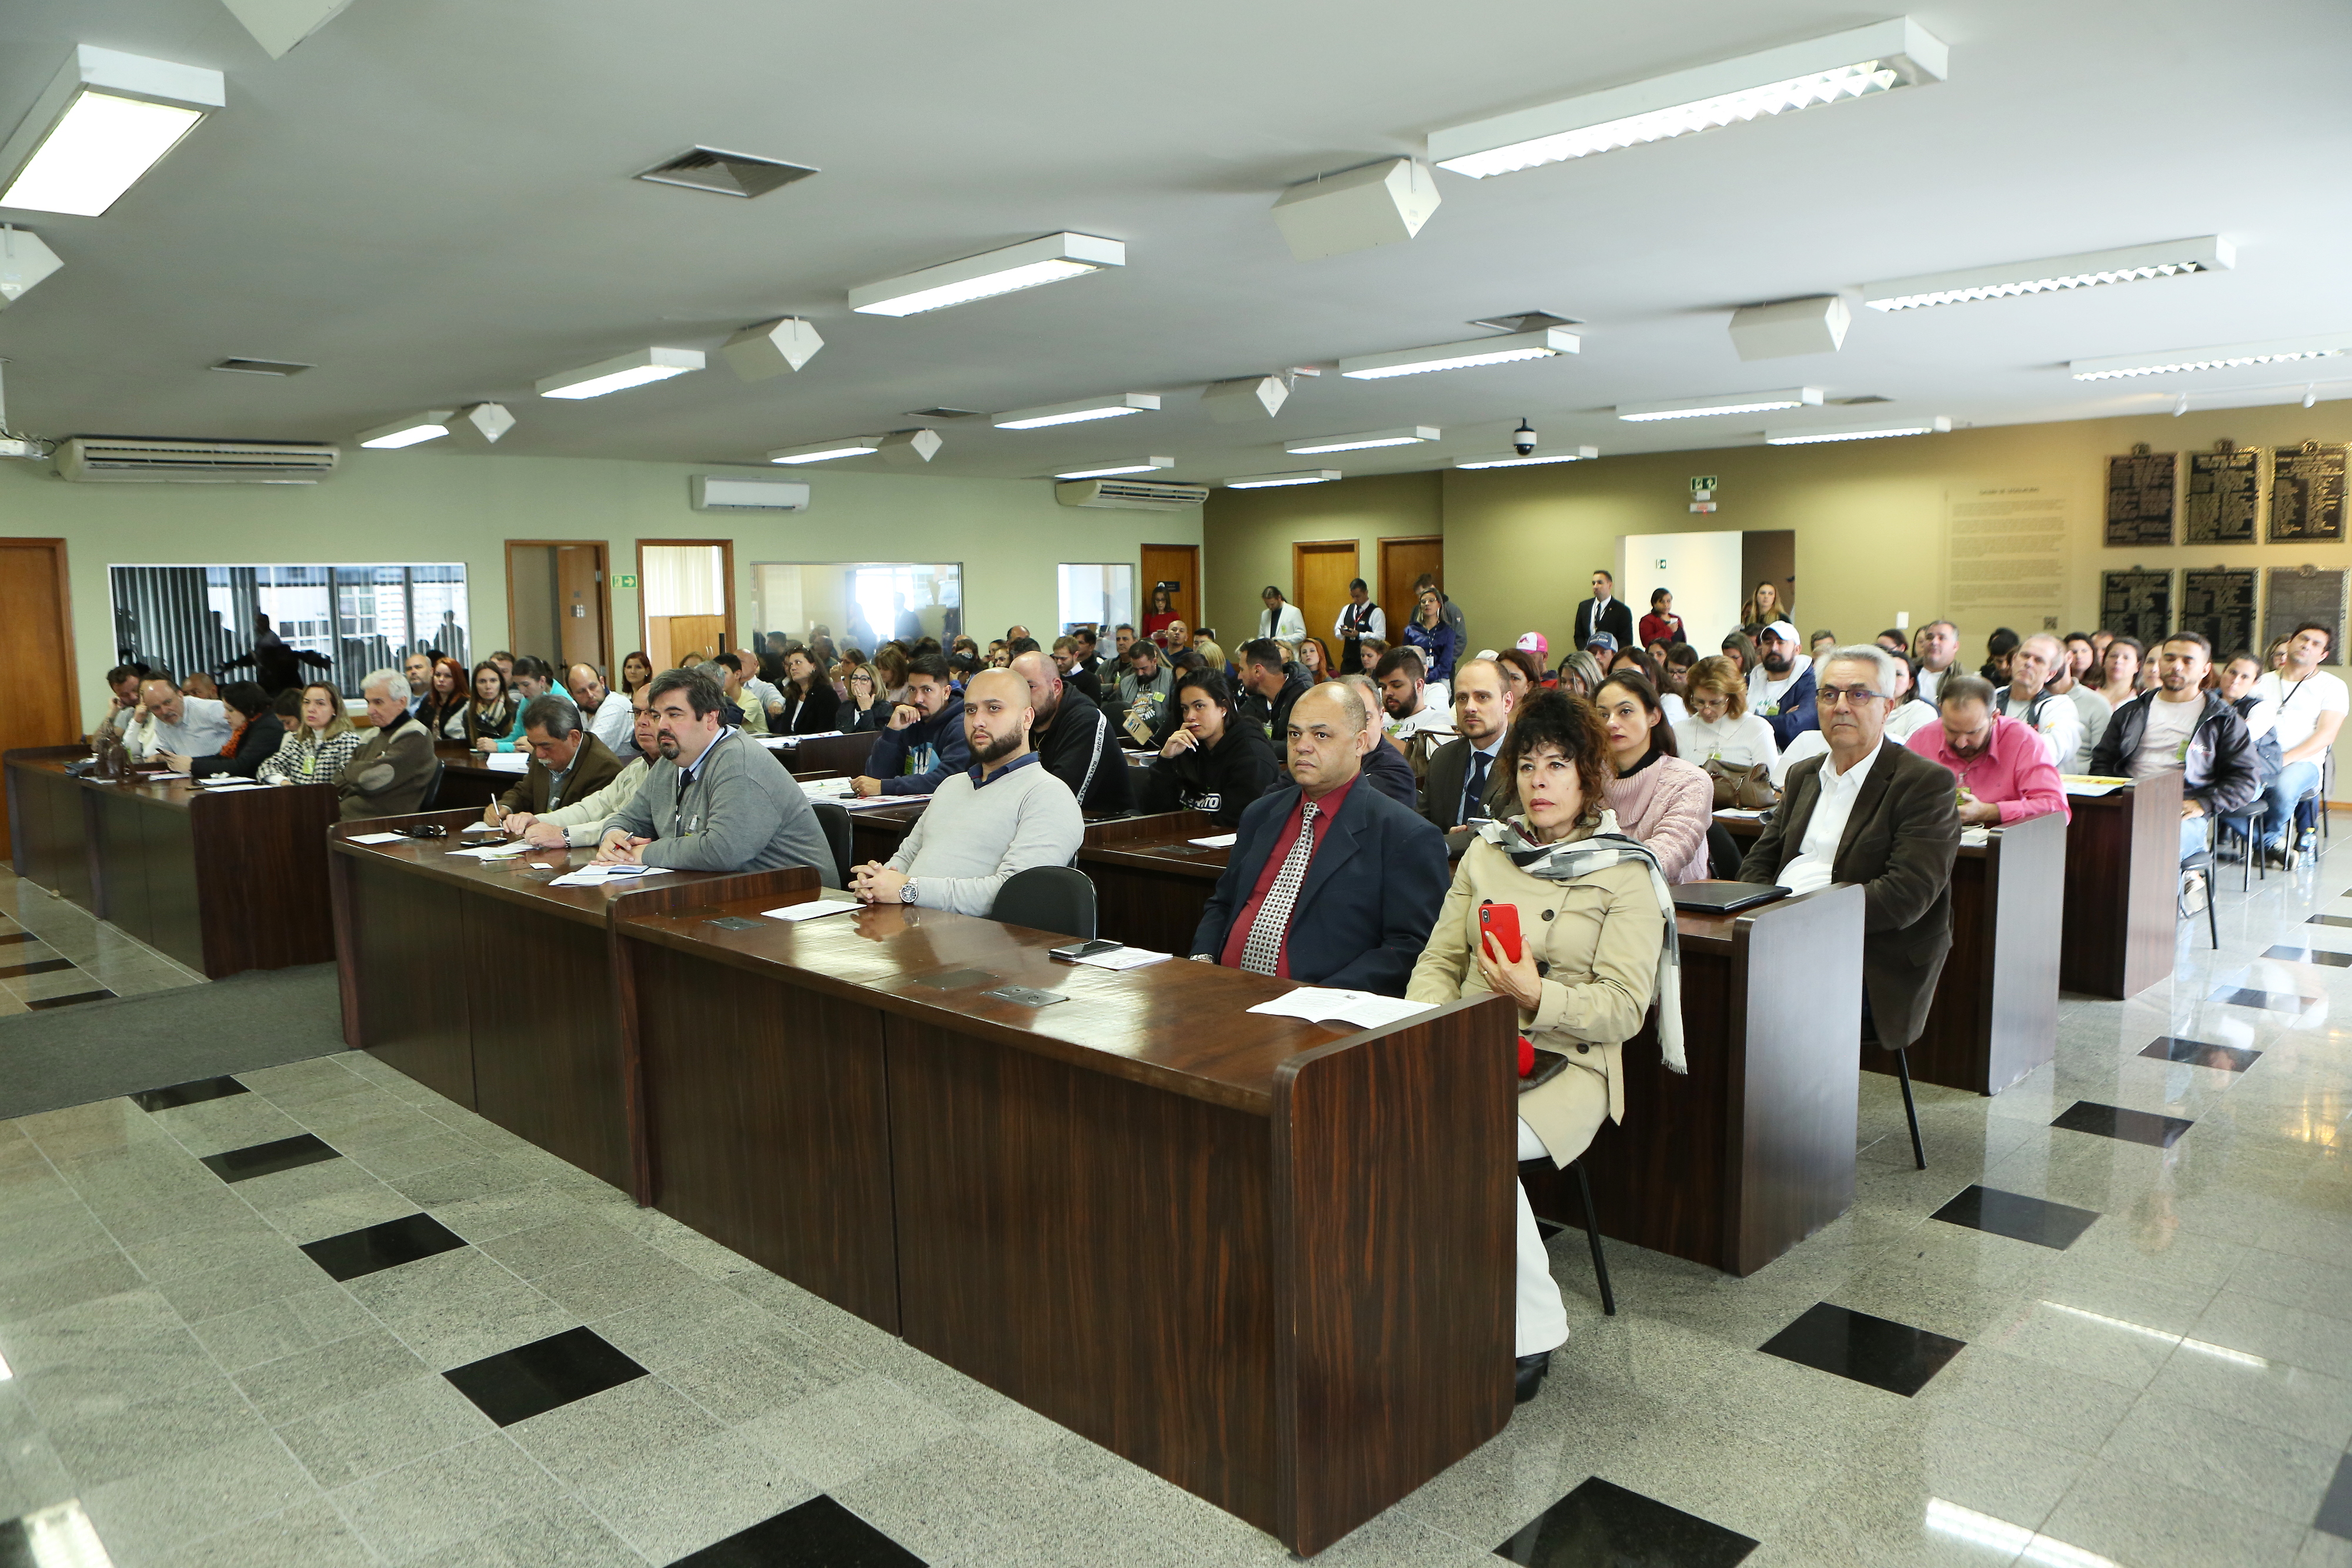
(597, 875)
(2083, 787)
(375, 838)
(1124, 958)
(498, 852)
(227, 784)
(813, 911)
(871, 801)
(1318, 1004)
(776, 742)
(159, 777)
(507, 762)
(1976, 838)
(1216, 841)
(825, 788)
(1741, 811)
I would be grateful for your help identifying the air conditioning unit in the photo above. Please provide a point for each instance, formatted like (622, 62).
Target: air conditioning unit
(1130, 495)
(724, 493)
(139, 460)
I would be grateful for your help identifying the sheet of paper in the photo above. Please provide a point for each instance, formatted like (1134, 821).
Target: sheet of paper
(1124, 958)
(597, 875)
(871, 801)
(507, 762)
(817, 910)
(775, 742)
(1321, 1004)
(1976, 838)
(1744, 812)
(227, 784)
(159, 777)
(1216, 841)
(504, 850)
(375, 838)
(2090, 788)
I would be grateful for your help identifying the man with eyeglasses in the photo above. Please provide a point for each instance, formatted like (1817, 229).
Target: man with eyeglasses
(1875, 813)
(2049, 714)
(712, 800)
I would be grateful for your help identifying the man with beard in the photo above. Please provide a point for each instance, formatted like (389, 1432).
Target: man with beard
(1939, 644)
(1780, 686)
(714, 800)
(2005, 773)
(1003, 814)
(1074, 739)
(1275, 683)
(1402, 684)
(2026, 698)
(1464, 786)
(2181, 725)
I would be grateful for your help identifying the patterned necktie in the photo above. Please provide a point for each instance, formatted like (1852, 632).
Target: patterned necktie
(1262, 954)
(1473, 790)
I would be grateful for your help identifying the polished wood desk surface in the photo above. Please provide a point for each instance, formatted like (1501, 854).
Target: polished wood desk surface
(1160, 844)
(522, 879)
(178, 794)
(806, 756)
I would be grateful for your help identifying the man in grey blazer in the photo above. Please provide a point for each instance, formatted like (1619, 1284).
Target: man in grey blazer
(713, 800)
(1482, 718)
(1876, 813)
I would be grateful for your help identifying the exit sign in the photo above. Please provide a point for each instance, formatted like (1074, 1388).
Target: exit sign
(624, 580)
(1701, 483)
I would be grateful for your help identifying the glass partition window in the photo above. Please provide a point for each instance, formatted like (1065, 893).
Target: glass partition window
(858, 604)
(357, 618)
(1099, 594)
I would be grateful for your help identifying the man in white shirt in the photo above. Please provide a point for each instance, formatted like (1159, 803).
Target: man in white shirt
(2089, 706)
(1905, 717)
(168, 726)
(2311, 707)
(609, 718)
(1280, 619)
(2046, 712)
(1939, 644)
(1358, 618)
(1402, 698)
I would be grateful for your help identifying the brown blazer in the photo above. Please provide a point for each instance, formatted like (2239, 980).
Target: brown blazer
(1899, 845)
(388, 776)
(592, 770)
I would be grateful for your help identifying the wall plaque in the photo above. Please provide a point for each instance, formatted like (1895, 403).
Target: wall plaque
(2137, 603)
(2005, 551)
(2220, 602)
(2139, 497)
(2307, 493)
(2298, 593)
(2225, 492)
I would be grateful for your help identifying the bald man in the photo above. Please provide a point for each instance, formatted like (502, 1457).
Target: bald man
(1003, 814)
(1329, 883)
(170, 727)
(1074, 739)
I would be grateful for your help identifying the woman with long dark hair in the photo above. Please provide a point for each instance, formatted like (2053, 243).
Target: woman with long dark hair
(635, 670)
(495, 714)
(1661, 800)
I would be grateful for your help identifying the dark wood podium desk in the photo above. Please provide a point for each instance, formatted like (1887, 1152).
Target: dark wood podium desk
(876, 831)
(521, 1020)
(467, 780)
(1266, 1259)
(1151, 881)
(2123, 888)
(805, 756)
(222, 880)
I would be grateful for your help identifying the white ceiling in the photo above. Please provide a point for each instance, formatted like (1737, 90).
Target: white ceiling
(430, 200)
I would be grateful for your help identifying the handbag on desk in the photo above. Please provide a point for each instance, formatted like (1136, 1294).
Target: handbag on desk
(1750, 789)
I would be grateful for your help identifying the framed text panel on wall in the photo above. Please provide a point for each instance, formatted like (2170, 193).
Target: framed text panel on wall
(2307, 493)
(2219, 601)
(2295, 594)
(2140, 497)
(2137, 603)
(2225, 497)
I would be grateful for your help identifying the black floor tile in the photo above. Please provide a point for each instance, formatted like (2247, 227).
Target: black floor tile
(2114, 1122)
(1603, 1525)
(11, 938)
(268, 1159)
(386, 1245)
(1877, 1350)
(546, 1375)
(45, 1003)
(1548, 1228)
(196, 1092)
(2335, 1507)
(819, 1534)
(2056, 1226)
(2312, 955)
(2329, 920)
(2202, 1053)
(2269, 1001)
(34, 967)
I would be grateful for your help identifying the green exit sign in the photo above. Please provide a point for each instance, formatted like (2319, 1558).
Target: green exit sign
(1701, 482)
(624, 580)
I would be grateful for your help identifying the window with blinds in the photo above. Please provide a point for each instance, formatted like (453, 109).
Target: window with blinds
(357, 618)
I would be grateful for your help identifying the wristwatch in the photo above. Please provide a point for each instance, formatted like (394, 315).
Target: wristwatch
(906, 891)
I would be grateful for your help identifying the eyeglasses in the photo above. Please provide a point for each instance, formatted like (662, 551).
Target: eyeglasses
(1848, 696)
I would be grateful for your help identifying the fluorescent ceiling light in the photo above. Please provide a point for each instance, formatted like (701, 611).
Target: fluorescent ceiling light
(826, 451)
(1403, 435)
(1148, 466)
(2090, 269)
(1854, 64)
(1574, 454)
(1729, 402)
(1076, 412)
(1502, 350)
(1047, 260)
(619, 373)
(1939, 425)
(1275, 481)
(2222, 357)
(104, 120)
(409, 431)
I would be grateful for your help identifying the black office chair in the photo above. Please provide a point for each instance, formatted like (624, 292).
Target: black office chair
(1723, 856)
(1591, 1226)
(1053, 898)
(834, 818)
(1903, 1076)
(2245, 830)
(2203, 860)
(431, 800)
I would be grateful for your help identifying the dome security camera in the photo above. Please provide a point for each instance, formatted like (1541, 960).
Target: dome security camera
(1522, 440)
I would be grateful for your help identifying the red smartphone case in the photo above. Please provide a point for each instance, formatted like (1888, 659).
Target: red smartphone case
(1501, 921)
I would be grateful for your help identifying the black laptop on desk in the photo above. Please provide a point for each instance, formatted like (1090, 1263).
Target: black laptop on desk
(1725, 897)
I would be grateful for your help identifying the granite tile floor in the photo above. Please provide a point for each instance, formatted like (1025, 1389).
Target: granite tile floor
(53, 954)
(2166, 1383)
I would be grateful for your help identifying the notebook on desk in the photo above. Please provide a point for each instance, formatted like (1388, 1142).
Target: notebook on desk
(1725, 897)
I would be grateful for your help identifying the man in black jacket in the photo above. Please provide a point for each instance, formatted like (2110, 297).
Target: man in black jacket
(1076, 673)
(1073, 738)
(1213, 761)
(2182, 726)
(1275, 682)
(1604, 611)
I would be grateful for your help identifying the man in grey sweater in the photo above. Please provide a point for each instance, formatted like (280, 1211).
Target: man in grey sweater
(1003, 814)
(714, 800)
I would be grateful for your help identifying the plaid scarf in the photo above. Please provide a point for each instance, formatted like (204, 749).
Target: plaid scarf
(1606, 847)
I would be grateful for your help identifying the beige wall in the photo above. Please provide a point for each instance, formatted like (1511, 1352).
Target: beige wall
(1250, 539)
(429, 507)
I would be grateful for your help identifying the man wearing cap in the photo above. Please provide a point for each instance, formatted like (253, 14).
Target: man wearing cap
(1602, 647)
(1780, 686)
(1536, 643)
(1604, 611)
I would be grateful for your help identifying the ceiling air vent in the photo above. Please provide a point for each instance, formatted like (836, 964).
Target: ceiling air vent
(944, 413)
(1130, 495)
(136, 460)
(262, 367)
(1851, 402)
(725, 173)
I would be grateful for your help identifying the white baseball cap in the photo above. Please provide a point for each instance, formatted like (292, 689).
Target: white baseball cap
(1780, 629)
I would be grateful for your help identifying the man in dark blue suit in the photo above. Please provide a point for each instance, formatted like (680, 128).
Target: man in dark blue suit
(1329, 883)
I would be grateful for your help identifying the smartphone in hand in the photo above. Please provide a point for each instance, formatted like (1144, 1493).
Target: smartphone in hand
(1501, 922)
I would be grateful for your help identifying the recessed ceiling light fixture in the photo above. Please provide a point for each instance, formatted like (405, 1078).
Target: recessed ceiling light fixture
(409, 431)
(1852, 64)
(105, 119)
(641, 367)
(1574, 454)
(1502, 350)
(245, 367)
(1148, 466)
(1727, 402)
(1077, 412)
(1276, 481)
(1939, 425)
(2221, 356)
(725, 173)
(826, 451)
(1405, 435)
(1018, 266)
(2087, 269)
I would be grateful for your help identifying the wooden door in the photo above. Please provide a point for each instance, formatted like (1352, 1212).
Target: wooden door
(1179, 564)
(696, 633)
(560, 602)
(37, 701)
(1319, 575)
(1402, 561)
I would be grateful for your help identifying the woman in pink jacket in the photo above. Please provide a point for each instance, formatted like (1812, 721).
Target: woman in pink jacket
(1659, 799)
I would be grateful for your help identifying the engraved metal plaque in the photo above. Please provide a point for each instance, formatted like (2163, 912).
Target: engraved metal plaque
(2307, 493)
(2225, 494)
(2219, 601)
(2140, 498)
(2137, 603)
(2295, 594)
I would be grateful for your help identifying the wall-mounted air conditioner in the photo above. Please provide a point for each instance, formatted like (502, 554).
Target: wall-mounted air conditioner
(730, 493)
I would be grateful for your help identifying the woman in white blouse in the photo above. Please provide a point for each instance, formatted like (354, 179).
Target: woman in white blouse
(1720, 729)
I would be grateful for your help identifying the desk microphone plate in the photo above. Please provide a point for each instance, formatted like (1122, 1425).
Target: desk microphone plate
(1026, 996)
(733, 923)
(955, 979)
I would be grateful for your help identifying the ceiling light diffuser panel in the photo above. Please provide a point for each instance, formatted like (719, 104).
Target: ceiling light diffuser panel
(1113, 470)
(1727, 402)
(826, 451)
(1276, 481)
(640, 368)
(1039, 261)
(409, 431)
(1407, 435)
(105, 119)
(2219, 357)
(1077, 412)
(2089, 269)
(1574, 454)
(1939, 425)
(1505, 350)
(1858, 63)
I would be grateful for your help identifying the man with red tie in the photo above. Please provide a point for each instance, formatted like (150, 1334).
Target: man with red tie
(1329, 885)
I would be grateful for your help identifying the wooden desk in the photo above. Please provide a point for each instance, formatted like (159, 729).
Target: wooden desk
(876, 831)
(1753, 1150)
(1267, 1261)
(466, 781)
(222, 879)
(485, 985)
(1151, 885)
(2123, 888)
(805, 756)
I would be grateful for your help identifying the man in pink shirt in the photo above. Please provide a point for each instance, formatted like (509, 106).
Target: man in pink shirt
(2004, 769)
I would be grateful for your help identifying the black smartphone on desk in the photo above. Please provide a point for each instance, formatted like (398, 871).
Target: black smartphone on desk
(1076, 950)
(1547, 1068)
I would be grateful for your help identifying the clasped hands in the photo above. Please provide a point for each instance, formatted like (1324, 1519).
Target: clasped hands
(875, 882)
